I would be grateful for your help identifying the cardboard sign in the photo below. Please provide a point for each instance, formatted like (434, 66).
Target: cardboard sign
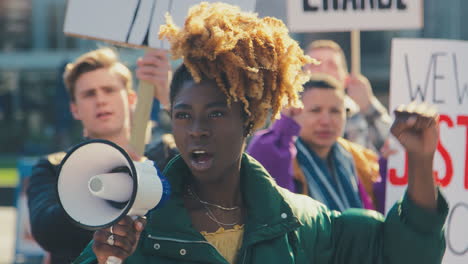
(434, 71)
(130, 22)
(347, 15)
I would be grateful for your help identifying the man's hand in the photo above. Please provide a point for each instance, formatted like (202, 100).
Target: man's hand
(154, 67)
(133, 154)
(359, 89)
(416, 128)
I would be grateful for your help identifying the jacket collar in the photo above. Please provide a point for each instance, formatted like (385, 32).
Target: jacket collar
(269, 214)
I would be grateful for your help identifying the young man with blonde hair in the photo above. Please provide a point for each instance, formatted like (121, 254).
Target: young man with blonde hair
(102, 99)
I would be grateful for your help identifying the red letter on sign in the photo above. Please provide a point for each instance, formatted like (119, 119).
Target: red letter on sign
(446, 156)
(445, 181)
(397, 180)
(463, 120)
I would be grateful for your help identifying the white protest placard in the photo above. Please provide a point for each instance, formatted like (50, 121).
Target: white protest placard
(434, 71)
(348, 15)
(130, 22)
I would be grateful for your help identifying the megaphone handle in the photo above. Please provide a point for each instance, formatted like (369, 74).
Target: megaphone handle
(113, 260)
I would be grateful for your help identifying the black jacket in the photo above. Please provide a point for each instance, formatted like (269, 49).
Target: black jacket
(50, 225)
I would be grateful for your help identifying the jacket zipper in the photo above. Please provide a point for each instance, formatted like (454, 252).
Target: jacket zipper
(183, 241)
(245, 255)
(178, 240)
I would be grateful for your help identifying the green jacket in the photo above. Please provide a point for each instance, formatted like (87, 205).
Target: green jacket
(283, 227)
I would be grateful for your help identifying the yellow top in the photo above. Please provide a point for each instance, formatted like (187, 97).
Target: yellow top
(227, 242)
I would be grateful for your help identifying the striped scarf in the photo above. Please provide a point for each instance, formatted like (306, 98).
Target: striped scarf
(335, 187)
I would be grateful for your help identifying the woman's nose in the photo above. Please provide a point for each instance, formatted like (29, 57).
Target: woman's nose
(199, 128)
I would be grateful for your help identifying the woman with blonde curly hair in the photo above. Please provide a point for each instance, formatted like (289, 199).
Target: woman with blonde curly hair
(225, 208)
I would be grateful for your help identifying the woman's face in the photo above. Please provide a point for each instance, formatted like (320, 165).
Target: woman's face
(208, 133)
(322, 119)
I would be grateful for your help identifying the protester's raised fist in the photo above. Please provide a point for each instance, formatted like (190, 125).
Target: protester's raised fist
(416, 128)
(291, 112)
(359, 89)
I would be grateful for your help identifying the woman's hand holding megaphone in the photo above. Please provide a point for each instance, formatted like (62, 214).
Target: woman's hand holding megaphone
(113, 245)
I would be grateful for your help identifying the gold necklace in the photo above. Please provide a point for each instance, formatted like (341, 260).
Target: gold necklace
(192, 193)
(209, 213)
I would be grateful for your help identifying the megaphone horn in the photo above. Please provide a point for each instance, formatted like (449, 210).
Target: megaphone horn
(99, 184)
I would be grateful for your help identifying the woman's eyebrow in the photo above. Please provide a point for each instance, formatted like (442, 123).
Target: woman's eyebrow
(217, 104)
(209, 105)
(182, 106)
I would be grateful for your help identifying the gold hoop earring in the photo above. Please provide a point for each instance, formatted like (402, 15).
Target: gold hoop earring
(248, 130)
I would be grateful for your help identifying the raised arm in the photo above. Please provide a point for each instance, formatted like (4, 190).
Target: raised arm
(360, 90)
(274, 149)
(155, 68)
(416, 128)
(413, 230)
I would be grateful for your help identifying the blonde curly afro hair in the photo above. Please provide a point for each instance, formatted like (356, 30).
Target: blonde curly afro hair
(253, 60)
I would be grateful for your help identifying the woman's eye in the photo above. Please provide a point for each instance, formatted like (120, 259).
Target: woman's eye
(216, 114)
(181, 115)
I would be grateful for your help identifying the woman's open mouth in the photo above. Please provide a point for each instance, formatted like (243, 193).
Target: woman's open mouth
(201, 159)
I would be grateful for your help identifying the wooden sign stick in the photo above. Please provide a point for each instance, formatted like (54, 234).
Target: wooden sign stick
(141, 116)
(355, 52)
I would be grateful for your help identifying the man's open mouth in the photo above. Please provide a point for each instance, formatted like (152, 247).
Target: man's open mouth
(103, 114)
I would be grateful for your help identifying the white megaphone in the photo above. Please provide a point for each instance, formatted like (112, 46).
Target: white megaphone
(99, 184)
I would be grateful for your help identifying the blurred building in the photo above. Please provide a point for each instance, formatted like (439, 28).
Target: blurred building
(34, 117)
(442, 19)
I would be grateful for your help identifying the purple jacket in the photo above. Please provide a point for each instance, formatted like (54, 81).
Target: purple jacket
(274, 148)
